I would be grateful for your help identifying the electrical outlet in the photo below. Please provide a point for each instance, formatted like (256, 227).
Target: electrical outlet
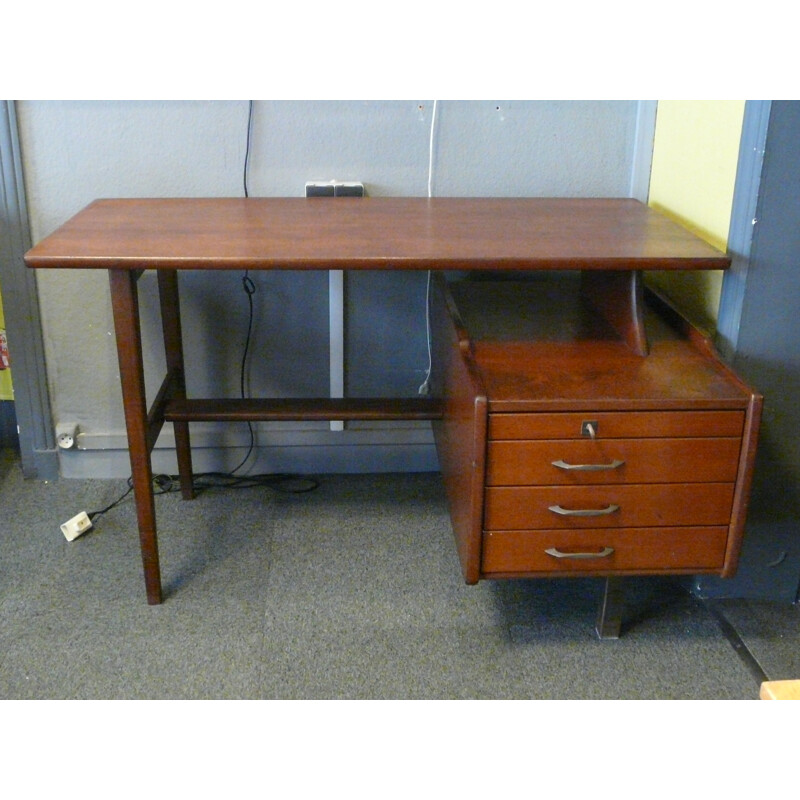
(67, 435)
(320, 189)
(348, 189)
(335, 189)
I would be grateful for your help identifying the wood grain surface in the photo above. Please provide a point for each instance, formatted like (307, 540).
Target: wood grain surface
(373, 233)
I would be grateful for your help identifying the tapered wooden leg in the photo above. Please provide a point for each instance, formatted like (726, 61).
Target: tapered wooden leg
(173, 348)
(609, 615)
(125, 305)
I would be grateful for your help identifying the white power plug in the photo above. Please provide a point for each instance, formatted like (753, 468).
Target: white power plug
(76, 526)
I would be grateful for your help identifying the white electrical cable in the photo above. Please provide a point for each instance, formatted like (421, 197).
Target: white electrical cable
(424, 388)
(430, 149)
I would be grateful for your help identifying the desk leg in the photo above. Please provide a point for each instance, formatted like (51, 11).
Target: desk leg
(125, 305)
(609, 615)
(173, 348)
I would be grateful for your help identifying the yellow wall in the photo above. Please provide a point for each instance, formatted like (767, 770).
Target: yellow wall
(6, 391)
(695, 153)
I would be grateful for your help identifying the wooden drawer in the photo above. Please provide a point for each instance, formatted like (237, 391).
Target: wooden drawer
(522, 463)
(632, 549)
(638, 505)
(617, 425)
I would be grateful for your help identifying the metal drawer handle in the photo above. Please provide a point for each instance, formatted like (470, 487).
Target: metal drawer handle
(615, 464)
(584, 512)
(556, 553)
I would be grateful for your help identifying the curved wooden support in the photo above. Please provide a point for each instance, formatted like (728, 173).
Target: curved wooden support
(619, 297)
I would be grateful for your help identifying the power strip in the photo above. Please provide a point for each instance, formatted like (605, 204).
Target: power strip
(76, 526)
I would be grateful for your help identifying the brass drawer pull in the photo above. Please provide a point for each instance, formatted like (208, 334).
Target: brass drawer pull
(556, 553)
(584, 512)
(615, 464)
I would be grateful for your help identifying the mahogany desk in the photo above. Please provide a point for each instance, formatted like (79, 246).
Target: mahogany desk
(610, 241)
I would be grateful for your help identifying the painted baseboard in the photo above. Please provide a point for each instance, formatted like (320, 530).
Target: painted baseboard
(310, 448)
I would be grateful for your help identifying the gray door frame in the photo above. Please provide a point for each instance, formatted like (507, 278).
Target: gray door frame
(758, 335)
(743, 215)
(21, 305)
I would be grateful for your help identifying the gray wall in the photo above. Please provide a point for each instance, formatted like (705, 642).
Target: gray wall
(74, 152)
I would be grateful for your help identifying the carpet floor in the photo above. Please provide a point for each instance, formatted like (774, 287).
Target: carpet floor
(350, 591)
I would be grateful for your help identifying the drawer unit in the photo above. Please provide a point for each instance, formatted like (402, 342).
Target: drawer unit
(640, 491)
(564, 454)
(639, 527)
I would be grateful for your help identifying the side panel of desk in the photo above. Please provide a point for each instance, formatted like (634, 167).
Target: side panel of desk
(460, 434)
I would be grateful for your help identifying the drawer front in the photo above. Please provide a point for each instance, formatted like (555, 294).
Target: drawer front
(617, 425)
(639, 505)
(522, 463)
(632, 549)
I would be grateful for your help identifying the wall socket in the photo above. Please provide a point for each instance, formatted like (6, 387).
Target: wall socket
(334, 189)
(67, 435)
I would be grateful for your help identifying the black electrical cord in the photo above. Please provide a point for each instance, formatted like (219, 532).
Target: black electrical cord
(285, 482)
(249, 289)
(247, 146)
(93, 515)
(162, 483)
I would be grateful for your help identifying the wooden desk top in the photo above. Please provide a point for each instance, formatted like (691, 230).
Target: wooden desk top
(373, 233)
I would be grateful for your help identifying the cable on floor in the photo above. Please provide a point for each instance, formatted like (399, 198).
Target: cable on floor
(286, 482)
